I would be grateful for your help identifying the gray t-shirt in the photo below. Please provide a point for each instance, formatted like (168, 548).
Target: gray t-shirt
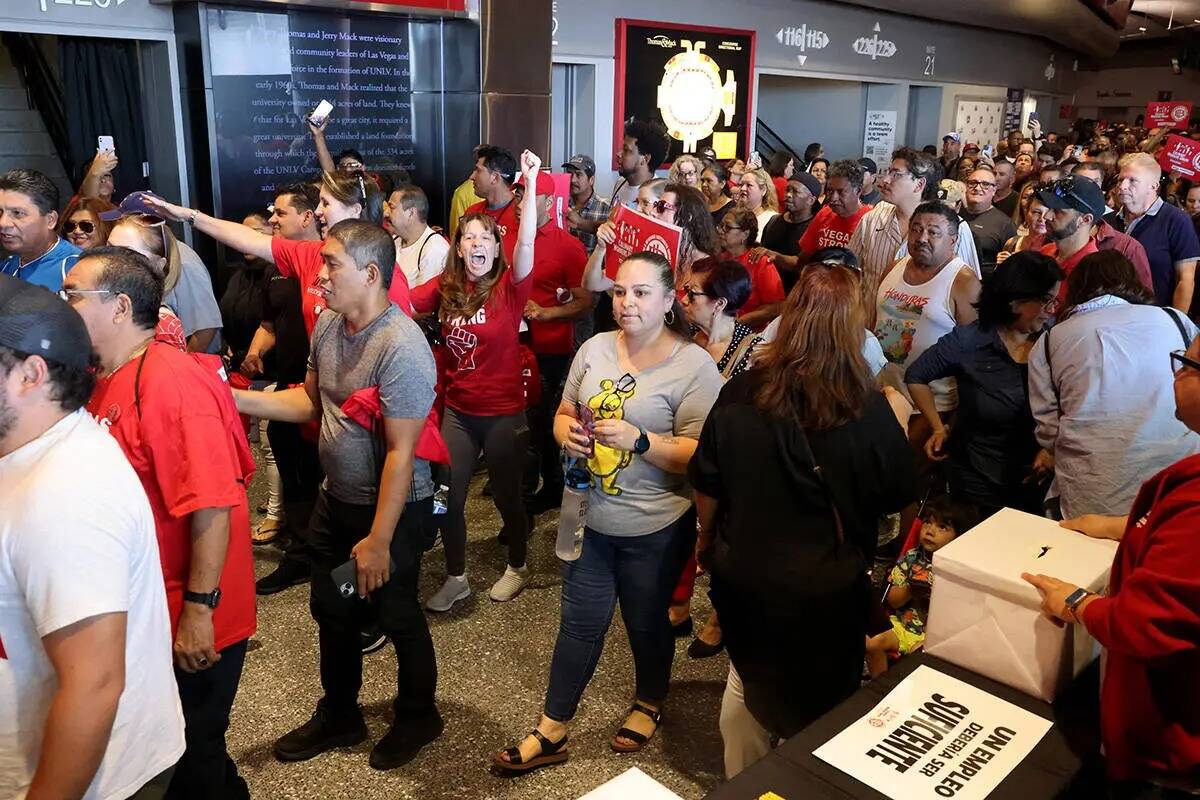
(630, 496)
(193, 300)
(391, 353)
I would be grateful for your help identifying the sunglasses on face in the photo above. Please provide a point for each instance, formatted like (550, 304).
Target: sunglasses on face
(662, 205)
(1180, 361)
(83, 226)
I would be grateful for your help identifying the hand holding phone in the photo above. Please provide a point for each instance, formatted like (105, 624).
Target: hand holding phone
(105, 144)
(320, 114)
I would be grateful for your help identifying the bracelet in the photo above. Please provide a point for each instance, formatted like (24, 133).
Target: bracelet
(191, 220)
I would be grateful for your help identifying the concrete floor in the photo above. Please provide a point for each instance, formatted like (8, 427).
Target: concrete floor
(493, 661)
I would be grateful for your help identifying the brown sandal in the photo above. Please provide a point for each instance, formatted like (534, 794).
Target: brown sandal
(639, 739)
(267, 531)
(551, 753)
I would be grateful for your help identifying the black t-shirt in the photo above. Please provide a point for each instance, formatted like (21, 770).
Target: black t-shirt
(784, 237)
(241, 308)
(1009, 204)
(281, 306)
(991, 230)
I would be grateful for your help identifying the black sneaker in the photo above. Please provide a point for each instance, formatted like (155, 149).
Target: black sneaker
(373, 639)
(404, 740)
(290, 572)
(324, 731)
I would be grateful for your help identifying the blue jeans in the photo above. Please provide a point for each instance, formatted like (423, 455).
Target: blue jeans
(641, 572)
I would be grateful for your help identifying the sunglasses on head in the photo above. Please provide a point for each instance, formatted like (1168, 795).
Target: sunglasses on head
(1064, 189)
(83, 225)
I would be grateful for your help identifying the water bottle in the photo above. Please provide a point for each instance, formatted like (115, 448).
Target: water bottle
(573, 515)
(441, 499)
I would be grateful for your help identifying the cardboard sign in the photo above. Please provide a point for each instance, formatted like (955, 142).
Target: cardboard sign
(631, 783)
(935, 736)
(637, 232)
(1168, 115)
(1181, 155)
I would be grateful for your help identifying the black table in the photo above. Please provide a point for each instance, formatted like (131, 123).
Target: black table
(1066, 763)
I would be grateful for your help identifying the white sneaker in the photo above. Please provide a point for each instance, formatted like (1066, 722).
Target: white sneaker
(510, 584)
(454, 589)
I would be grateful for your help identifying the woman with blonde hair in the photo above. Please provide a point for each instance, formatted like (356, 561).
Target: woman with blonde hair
(799, 458)
(81, 225)
(153, 239)
(757, 195)
(686, 170)
(480, 299)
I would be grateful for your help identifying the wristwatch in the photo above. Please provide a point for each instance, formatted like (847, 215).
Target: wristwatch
(1075, 599)
(211, 599)
(642, 444)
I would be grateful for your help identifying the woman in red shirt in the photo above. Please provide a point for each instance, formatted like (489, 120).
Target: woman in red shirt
(479, 300)
(737, 232)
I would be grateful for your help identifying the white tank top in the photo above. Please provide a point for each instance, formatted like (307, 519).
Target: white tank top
(910, 318)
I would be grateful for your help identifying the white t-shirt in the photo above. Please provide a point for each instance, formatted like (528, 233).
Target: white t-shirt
(77, 541)
(431, 248)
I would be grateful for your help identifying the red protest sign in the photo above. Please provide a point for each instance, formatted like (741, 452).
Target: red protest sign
(562, 197)
(637, 232)
(1168, 115)
(1181, 155)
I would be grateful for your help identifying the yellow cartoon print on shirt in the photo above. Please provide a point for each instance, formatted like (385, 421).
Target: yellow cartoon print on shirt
(609, 403)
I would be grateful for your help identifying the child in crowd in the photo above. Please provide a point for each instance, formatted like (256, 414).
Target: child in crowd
(911, 581)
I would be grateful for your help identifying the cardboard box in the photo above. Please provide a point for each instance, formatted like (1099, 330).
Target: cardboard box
(984, 618)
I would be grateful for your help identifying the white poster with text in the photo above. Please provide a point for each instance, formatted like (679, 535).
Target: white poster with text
(935, 736)
(879, 137)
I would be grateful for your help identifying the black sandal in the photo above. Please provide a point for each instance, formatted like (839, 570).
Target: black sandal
(551, 753)
(639, 739)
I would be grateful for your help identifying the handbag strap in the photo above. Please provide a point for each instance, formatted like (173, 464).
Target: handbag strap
(818, 474)
(1178, 324)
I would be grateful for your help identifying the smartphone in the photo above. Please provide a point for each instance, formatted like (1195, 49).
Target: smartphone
(345, 577)
(1033, 116)
(587, 421)
(988, 150)
(104, 143)
(320, 112)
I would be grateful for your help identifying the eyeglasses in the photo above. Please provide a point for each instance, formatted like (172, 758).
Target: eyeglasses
(725, 227)
(67, 294)
(980, 185)
(692, 294)
(1180, 356)
(85, 226)
(662, 205)
(892, 174)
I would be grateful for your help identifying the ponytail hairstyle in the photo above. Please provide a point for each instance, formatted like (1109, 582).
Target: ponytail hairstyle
(458, 300)
(355, 187)
(678, 323)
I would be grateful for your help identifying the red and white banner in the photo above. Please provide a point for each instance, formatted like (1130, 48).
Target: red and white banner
(1168, 115)
(636, 233)
(1181, 155)
(562, 197)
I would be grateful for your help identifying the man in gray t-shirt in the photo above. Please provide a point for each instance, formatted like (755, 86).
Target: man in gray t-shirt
(390, 353)
(374, 510)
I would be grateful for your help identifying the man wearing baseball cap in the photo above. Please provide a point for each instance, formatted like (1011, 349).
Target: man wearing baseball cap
(587, 210)
(1076, 204)
(951, 150)
(88, 703)
(869, 194)
(557, 299)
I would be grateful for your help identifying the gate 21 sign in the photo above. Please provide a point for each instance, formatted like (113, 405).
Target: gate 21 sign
(695, 80)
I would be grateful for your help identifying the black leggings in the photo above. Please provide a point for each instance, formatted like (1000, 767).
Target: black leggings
(504, 441)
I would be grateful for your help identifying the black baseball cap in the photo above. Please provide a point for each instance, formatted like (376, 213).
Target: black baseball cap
(36, 321)
(581, 163)
(869, 165)
(1081, 194)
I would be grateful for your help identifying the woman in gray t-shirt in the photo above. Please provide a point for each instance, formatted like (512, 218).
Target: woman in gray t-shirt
(650, 390)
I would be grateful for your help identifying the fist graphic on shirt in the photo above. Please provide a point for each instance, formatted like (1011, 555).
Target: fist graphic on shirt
(462, 343)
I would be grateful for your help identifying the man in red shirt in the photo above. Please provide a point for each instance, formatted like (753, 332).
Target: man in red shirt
(495, 170)
(834, 223)
(1075, 205)
(557, 299)
(1148, 621)
(174, 417)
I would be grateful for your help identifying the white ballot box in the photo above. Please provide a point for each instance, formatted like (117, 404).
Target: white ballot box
(984, 618)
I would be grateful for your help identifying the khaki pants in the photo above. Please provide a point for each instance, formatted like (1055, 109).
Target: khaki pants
(745, 740)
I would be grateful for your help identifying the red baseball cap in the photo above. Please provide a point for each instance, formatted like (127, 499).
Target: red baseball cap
(545, 184)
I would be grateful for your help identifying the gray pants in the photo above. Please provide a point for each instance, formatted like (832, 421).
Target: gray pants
(504, 441)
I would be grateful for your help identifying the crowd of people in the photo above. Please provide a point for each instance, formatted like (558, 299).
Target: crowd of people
(840, 352)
